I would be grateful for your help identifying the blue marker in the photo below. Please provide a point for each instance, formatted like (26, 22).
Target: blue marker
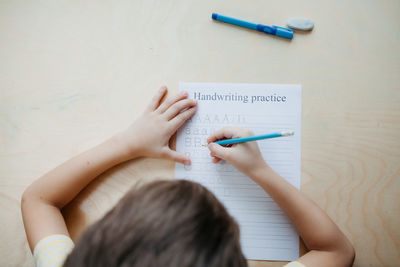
(274, 30)
(251, 138)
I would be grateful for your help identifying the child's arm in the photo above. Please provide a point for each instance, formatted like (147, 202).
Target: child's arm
(328, 245)
(148, 136)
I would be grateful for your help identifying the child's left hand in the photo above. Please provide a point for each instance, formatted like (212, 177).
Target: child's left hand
(149, 135)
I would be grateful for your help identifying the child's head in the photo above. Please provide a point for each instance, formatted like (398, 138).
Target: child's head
(164, 223)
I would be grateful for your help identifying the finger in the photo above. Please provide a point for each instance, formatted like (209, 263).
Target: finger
(176, 156)
(182, 117)
(214, 158)
(224, 133)
(168, 102)
(219, 151)
(155, 101)
(178, 107)
(227, 133)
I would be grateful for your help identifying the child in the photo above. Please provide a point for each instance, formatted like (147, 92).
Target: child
(167, 222)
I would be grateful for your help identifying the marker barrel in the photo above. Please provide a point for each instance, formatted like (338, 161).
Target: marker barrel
(274, 30)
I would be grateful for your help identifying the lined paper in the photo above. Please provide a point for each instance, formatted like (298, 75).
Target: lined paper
(266, 232)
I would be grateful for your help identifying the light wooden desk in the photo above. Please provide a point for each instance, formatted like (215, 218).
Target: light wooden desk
(73, 73)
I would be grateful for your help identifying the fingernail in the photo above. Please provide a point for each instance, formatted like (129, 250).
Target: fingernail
(186, 162)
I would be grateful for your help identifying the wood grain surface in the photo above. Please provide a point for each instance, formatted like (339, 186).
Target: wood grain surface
(74, 72)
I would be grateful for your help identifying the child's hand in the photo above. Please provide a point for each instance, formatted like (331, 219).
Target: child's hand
(149, 135)
(246, 157)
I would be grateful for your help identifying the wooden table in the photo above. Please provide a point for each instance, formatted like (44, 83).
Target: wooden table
(73, 73)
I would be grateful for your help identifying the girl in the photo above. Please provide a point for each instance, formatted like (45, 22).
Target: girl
(167, 222)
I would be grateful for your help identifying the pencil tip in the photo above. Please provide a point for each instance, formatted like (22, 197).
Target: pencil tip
(288, 133)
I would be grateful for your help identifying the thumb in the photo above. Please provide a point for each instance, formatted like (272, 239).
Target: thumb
(218, 151)
(176, 156)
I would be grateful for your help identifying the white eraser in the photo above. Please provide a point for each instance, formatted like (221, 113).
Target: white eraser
(300, 24)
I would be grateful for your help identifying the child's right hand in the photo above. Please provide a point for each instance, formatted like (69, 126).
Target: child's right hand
(246, 157)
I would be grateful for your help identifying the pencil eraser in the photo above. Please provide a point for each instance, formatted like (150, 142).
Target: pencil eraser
(300, 24)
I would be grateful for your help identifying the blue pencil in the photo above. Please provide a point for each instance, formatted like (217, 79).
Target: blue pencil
(252, 138)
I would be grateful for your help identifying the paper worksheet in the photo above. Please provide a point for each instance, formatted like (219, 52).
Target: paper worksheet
(266, 232)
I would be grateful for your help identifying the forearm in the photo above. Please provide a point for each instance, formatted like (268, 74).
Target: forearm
(43, 199)
(59, 186)
(318, 231)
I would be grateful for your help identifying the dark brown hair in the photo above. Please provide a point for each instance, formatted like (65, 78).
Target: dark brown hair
(169, 223)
